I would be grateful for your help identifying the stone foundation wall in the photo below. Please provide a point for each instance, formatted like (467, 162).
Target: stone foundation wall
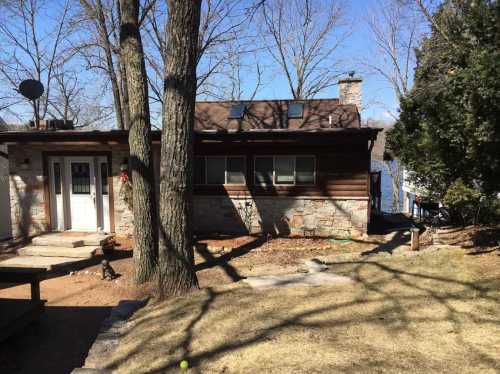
(26, 192)
(295, 216)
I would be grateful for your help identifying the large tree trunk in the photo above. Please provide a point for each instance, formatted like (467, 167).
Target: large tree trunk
(176, 273)
(123, 81)
(141, 154)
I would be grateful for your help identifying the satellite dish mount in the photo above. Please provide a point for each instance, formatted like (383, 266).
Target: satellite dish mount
(32, 90)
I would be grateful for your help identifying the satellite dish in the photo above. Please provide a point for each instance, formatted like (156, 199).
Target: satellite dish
(31, 89)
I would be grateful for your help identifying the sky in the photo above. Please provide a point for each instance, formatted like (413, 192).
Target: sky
(378, 96)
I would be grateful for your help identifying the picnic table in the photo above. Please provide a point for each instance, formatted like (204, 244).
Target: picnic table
(15, 314)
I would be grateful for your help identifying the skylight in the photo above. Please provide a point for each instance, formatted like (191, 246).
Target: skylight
(295, 110)
(237, 111)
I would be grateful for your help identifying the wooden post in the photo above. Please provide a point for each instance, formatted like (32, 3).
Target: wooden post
(415, 242)
(35, 290)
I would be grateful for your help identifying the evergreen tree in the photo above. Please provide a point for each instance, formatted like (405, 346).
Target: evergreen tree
(448, 132)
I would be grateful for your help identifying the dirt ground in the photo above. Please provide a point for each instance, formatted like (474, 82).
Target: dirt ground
(376, 325)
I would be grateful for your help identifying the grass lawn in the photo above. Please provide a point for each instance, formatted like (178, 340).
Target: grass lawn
(436, 312)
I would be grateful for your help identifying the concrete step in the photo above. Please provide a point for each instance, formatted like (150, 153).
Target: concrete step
(96, 239)
(74, 240)
(50, 263)
(49, 251)
(58, 240)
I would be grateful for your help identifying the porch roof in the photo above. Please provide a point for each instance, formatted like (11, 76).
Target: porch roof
(121, 136)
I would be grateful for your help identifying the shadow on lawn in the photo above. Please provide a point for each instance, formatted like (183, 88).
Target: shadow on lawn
(223, 261)
(57, 344)
(393, 311)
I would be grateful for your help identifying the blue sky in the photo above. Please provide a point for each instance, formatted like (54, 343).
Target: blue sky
(356, 49)
(378, 96)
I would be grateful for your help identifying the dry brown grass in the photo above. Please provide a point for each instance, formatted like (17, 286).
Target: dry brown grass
(437, 312)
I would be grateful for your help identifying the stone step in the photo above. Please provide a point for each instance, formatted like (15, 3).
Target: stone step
(64, 240)
(58, 240)
(49, 251)
(96, 239)
(50, 263)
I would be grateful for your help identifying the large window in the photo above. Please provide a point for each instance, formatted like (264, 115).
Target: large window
(217, 170)
(285, 170)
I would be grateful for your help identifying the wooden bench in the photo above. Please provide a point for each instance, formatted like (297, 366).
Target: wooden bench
(16, 314)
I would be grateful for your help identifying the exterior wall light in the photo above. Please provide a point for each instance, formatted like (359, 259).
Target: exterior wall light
(25, 165)
(124, 165)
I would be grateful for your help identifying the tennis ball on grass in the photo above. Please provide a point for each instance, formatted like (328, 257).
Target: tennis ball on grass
(184, 364)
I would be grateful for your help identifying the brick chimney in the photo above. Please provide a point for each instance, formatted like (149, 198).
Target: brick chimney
(350, 91)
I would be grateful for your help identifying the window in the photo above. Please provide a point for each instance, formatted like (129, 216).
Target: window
(216, 170)
(285, 170)
(295, 110)
(219, 170)
(199, 170)
(235, 170)
(104, 178)
(80, 178)
(264, 167)
(57, 178)
(304, 170)
(237, 111)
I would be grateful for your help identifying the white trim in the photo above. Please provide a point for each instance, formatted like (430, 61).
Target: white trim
(294, 170)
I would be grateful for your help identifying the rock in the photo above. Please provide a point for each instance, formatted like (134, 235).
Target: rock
(315, 266)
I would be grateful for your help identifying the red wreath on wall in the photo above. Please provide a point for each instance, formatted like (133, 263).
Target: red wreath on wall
(126, 190)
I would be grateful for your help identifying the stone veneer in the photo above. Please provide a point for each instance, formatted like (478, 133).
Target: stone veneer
(27, 192)
(215, 214)
(294, 216)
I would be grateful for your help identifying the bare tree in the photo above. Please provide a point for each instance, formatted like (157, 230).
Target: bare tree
(71, 101)
(302, 37)
(222, 23)
(176, 259)
(241, 65)
(141, 153)
(31, 51)
(102, 51)
(396, 30)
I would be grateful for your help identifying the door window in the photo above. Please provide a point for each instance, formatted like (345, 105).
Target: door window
(104, 178)
(57, 178)
(80, 178)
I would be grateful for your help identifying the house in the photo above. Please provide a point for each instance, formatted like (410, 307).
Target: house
(280, 166)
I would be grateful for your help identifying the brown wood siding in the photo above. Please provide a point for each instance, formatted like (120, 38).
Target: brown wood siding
(341, 171)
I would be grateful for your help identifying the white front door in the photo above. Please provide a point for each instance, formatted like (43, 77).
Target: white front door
(82, 193)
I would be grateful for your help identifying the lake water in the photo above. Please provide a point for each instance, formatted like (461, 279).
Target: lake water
(386, 187)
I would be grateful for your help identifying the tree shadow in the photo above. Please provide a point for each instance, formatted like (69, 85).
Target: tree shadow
(58, 343)
(375, 299)
(223, 260)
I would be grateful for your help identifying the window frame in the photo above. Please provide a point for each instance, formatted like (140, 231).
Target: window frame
(294, 156)
(225, 171)
(288, 114)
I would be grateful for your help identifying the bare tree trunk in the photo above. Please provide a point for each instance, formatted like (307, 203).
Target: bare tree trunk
(123, 80)
(141, 155)
(124, 95)
(176, 273)
(102, 30)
